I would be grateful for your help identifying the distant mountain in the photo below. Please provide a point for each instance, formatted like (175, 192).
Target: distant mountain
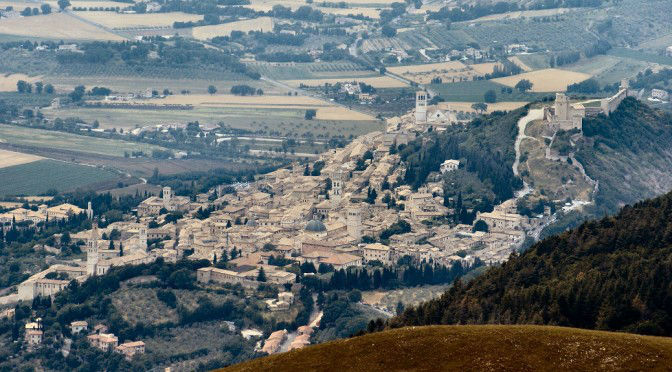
(491, 348)
(612, 274)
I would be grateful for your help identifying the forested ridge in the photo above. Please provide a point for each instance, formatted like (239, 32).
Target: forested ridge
(609, 274)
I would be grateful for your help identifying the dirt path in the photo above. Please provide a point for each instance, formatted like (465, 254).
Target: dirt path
(532, 115)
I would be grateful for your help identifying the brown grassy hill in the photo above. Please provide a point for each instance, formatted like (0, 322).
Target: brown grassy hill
(488, 347)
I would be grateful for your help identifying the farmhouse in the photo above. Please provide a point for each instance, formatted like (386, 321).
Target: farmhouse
(103, 341)
(78, 326)
(129, 349)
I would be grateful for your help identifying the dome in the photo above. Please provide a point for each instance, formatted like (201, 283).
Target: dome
(315, 226)
(251, 222)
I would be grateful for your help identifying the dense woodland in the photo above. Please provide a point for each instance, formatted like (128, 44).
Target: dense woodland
(485, 149)
(611, 274)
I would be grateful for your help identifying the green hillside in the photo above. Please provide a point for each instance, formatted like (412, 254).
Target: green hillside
(629, 153)
(611, 274)
(480, 348)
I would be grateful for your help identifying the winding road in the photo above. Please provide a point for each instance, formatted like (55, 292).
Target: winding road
(532, 115)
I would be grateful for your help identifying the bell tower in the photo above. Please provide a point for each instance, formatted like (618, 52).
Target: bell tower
(92, 251)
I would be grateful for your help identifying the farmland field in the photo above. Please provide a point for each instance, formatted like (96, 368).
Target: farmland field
(280, 113)
(522, 14)
(594, 66)
(640, 56)
(473, 91)
(447, 71)
(11, 158)
(66, 141)
(54, 26)
(548, 80)
(264, 24)
(8, 82)
(435, 37)
(534, 61)
(139, 84)
(466, 106)
(37, 177)
(315, 70)
(376, 82)
(367, 12)
(518, 62)
(624, 68)
(566, 34)
(266, 5)
(120, 21)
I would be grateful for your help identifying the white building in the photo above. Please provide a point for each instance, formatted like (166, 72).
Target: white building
(450, 165)
(660, 94)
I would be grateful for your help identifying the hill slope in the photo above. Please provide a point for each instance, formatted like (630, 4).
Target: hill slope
(629, 153)
(611, 274)
(495, 348)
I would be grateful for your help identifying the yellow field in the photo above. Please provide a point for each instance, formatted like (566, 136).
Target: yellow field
(11, 158)
(325, 110)
(448, 71)
(8, 82)
(119, 20)
(208, 32)
(520, 64)
(547, 80)
(466, 106)
(376, 82)
(55, 26)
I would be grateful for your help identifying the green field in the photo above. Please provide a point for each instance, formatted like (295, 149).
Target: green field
(535, 61)
(287, 121)
(37, 177)
(640, 56)
(316, 70)
(473, 91)
(433, 36)
(127, 84)
(65, 141)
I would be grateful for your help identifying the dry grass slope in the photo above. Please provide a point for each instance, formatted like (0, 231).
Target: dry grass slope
(492, 348)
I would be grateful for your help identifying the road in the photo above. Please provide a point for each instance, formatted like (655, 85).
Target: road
(314, 318)
(532, 115)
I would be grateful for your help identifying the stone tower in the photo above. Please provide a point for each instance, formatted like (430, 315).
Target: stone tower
(562, 106)
(142, 239)
(167, 194)
(420, 106)
(354, 222)
(337, 186)
(92, 251)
